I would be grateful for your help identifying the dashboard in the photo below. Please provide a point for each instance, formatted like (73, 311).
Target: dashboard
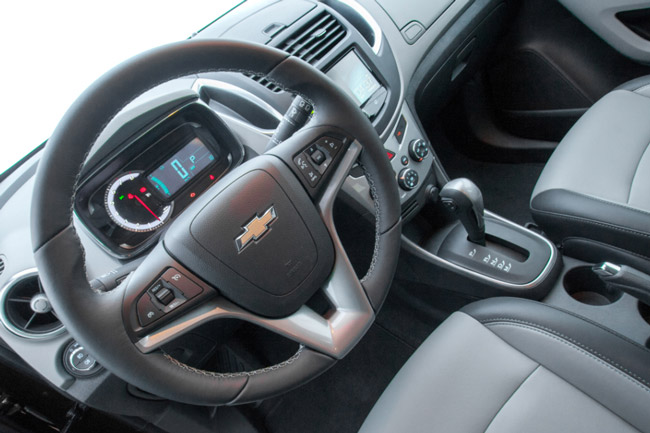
(174, 142)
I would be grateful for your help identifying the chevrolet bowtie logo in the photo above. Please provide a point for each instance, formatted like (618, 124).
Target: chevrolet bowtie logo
(256, 228)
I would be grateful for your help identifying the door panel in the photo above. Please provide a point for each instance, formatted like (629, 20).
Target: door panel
(604, 18)
(549, 69)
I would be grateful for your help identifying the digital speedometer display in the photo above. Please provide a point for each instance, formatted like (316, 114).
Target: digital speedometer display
(184, 165)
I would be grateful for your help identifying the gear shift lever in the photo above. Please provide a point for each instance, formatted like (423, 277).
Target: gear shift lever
(464, 199)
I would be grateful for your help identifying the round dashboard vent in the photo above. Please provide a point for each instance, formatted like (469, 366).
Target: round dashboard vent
(25, 310)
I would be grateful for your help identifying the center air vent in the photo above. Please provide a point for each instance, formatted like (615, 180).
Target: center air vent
(315, 39)
(264, 82)
(2, 264)
(25, 310)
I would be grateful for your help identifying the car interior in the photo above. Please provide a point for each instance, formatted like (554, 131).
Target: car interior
(342, 215)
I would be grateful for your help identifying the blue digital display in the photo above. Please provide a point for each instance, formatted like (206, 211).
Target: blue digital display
(184, 165)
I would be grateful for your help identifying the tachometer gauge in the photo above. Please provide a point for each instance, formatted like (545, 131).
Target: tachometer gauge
(130, 204)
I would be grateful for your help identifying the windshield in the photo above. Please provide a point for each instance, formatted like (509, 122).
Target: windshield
(52, 51)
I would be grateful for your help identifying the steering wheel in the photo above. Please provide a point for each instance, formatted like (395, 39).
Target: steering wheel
(291, 251)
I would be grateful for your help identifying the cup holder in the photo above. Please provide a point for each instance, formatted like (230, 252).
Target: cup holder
(584, 286)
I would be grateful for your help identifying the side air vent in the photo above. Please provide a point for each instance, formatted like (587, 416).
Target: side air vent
(2, 264)
(264, 82)
(315, 39)
(25, 310)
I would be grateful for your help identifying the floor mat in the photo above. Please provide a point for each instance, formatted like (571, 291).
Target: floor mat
(340, 399)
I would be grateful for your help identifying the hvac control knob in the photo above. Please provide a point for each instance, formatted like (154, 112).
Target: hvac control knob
(418, 150)
(408, 179)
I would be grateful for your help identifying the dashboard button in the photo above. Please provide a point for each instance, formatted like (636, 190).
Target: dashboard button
(189, 288)
(400, 129)
(147, 311)
(404, 160)
(78, 362)
(418, 149)
(408, 179)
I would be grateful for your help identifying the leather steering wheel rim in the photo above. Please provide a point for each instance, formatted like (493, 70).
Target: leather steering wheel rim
(95, 319)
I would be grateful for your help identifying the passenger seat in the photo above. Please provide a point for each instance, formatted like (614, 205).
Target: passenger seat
(593, 196)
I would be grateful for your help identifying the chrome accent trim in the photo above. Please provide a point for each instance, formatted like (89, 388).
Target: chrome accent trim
(414, 248)
(335, 335)
(16, 278)
(606, 269)
(363, 12)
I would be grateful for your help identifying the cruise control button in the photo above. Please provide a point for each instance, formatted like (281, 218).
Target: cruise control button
(158, 286)
(165, 296)
(189, 288)
(147, 311)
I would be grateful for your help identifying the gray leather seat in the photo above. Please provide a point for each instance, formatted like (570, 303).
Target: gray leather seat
(512, 365)
(593, 196)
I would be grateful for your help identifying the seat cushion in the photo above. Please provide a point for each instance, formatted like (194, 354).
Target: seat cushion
(596, 185)
(512, 365)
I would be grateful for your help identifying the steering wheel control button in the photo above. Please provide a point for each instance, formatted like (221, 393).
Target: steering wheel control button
(404, 160)
(165, 296)
(318, 157)
(418, 150)
(311, 175)
(147, 311)
(188, 287)
(157, 287)
(78, 362)
(408, 179)
(331, 145)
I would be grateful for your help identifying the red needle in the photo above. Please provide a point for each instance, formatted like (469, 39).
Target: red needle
(145, 206)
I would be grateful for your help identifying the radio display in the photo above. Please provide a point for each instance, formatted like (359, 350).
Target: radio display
(184, 165)
(354, 78)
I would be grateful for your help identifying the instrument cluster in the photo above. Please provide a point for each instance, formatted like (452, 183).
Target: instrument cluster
(128, 200)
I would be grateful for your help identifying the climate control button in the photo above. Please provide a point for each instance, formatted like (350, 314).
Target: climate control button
(418, 150)
(408, 179)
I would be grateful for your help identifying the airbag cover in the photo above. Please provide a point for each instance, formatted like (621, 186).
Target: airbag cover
(257, 238)
(284, 252)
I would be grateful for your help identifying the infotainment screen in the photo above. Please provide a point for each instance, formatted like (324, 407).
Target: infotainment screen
(185, 164)
(354, 78)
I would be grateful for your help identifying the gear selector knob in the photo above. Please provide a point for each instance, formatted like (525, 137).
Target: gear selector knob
(464, 199)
